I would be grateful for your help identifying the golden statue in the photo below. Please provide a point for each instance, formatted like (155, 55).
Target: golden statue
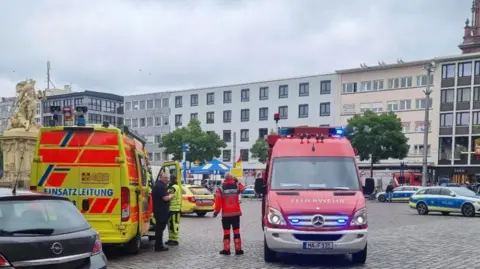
(25, 106)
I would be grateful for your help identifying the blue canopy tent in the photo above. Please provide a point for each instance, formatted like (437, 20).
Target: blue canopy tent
(213, 167)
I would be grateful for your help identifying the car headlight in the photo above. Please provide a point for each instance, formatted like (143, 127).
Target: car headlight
(275, 217)
(360, 217)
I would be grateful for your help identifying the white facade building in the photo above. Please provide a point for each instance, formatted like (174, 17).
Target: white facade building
(242, 113)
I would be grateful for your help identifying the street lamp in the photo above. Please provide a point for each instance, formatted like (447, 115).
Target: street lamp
(184, 163)
(430, 68)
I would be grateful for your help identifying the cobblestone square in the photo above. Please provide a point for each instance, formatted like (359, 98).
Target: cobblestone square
(398, 238)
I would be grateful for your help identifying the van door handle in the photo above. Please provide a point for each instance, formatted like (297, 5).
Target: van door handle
(85, 205)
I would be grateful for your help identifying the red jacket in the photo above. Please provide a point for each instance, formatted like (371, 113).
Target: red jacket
(227, 198)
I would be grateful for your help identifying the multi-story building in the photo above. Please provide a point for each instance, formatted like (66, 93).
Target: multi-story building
(50, 92)
(101, 106)
(6, 106)
(242, 113)
(149, 116)
(390, 87)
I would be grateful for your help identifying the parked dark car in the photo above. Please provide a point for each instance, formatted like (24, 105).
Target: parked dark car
(39, 231)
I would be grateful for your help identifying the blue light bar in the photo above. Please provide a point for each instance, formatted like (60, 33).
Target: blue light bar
(284, 131)
(337, 131)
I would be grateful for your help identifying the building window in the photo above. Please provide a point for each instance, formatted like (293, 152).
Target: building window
(418, 150)
(178, 101)
(149, 122)
(245, 95)
(245, 115)
(463, 119)
(263, 93)
(392, 106)
(398, 83)
(465, 69)
(477, 68)
(325, 87)
(158, 121)
(158, 139)
(193, 116)
(303, 111)
(210, 98)
(422, 80)
(448, 71)
(303, 89)
(350, 87)
(178, 120)
(378, 85)
(263, 113)
(149, 104)
(210, 117)
(227, 97)
(365, 107)
(283, 91)
(226, 155)
(476, 118)
(463, 95)
(165, 120)
(405, 127)
(67, 102)
(447, 96)
(420, 126)
(283, 111)
(446, 120)
(142, 105)
(405, 105)
(421, 103)
(128, 105)
(262, 132)
(324, 109)
(244, 154)
(165, 102)
(194, 100)
(134, 122)
(158, 157)
(227, 116)
(142, 122)
(158, 103)
(227, 135)
(244, 135)
(128, 122)
(476, 94)
(365, 86)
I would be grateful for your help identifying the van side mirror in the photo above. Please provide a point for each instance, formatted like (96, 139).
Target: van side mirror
(453, 194)
(260, 186)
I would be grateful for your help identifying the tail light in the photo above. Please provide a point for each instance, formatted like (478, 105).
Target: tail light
(191, 199)
(125, 203)
(4, 262)
(97, 247)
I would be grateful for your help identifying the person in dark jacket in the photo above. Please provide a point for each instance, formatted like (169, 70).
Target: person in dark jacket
(161, 209)
(389, 192)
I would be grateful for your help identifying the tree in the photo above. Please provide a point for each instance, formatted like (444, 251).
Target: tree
(377, 137)
(259, 150)
(201, 145)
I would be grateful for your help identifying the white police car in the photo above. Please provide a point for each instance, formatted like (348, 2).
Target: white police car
(446, 200)
(400, 194)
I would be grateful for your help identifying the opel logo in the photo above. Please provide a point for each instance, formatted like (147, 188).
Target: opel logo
(57, 248)
(318, 221)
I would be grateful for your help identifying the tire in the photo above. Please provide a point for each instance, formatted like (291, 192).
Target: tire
(133, 246)
(382, 198)
(360, 257)
(422, 208)
(268, 254)
(468, 210)
(445, 213)
(201, 214)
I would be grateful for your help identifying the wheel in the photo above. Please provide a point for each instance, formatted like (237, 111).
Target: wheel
(268, 254)
(382, 198)
(133, 247)
(422, 208)
(360, 257)
(445, 213)
(201, 214)
(468, 210)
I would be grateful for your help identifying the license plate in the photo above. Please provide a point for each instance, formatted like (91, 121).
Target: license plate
(318, 245)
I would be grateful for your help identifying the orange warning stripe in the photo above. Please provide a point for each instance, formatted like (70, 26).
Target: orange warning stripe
(101, 205)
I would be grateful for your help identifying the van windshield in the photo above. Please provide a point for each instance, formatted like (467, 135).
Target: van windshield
(314, 173)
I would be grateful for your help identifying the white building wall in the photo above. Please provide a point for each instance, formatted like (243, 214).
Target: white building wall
(256, 102)
(396, 87)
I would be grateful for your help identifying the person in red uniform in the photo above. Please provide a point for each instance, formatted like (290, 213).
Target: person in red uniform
(227, 200)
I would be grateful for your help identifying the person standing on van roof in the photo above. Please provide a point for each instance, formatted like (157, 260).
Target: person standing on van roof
(161, 209)
(175, 208)
(227, 200)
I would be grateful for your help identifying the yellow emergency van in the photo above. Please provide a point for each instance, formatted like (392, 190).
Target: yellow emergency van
(103, 170)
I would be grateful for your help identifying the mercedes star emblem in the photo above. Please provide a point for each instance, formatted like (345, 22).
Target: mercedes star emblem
(318, 221)
(57, 248)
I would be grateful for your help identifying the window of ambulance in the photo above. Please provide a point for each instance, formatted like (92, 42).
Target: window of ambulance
(314, 173)
(52, 216)
(199, 190)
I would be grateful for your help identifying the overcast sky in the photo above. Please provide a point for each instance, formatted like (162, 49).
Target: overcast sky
(127, 46)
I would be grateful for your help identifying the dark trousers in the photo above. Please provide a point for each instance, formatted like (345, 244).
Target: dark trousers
(160, 225)
(231, 223)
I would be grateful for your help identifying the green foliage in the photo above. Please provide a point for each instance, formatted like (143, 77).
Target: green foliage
(201, 145)
(259, 150)
(377, 135)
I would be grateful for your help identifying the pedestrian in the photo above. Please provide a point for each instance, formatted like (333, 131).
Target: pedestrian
(161, 206)
(389, 191)
(175, 208)
(227, 200)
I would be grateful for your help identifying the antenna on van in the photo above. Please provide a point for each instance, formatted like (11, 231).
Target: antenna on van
(14, 189)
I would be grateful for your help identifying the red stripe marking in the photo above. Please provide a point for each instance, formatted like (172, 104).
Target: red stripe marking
(132, 172)
(79, 139)
(112, 205)
(90, 201)
(58, 155)
(99, 156)
(103, 139)
(88, 165)
(56, 179)
(99, 205)
(52, 138)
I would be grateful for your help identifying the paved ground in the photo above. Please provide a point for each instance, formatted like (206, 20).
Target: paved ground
(398, 238)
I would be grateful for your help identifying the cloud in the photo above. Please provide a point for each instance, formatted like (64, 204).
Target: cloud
(122, 46)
